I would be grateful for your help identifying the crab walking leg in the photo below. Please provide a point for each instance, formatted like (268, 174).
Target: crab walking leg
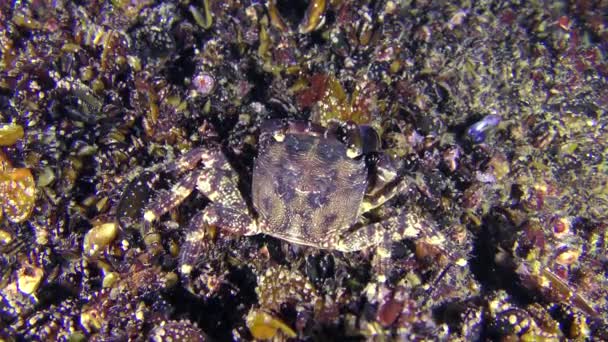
(220, 186)
(399, 227)
(213, 215)
(233, 221)
(163, 202)
(227, 211)
(216, 181)
(191, 159)
(393, 228)
(168, 200)
(193, 245)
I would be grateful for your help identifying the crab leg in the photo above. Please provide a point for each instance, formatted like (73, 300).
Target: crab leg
(220, 186)
(395, 228)
(403, 226)
(216, 180)
(163, 203)
(192, 247)
(182, 189)
(219, 214)
(168, 200)
(233, 221)
(387, 182)
(191, 159)
(213, 215)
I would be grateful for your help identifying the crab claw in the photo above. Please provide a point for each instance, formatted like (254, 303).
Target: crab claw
(360, 139)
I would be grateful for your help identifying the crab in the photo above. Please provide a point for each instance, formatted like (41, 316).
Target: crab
(311, 185)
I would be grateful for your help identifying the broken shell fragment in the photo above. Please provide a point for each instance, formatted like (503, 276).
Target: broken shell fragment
(29, 278)
(477, 131)
(567, 257)
(314, 18)
(98, 238)
(10, 133)
(264, 326)
(5, 237)
(18, 193)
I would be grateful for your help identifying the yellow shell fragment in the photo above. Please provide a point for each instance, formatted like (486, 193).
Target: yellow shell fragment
(10, 133)
(98, 238)
(567, 257)
(29, 278)
(91, 320)
(109, 279)
(5, 237)
(264, 326)
(314, 17)
(18, 193)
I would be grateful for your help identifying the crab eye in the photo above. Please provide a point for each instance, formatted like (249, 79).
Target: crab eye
(353, 151)
(279, 136)
(349, 134)
(341, 134)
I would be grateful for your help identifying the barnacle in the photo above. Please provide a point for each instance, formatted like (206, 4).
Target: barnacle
(183, 330)
(278, 285)
(57, 322)
(19, 291)
(530, 323)
(122, 308)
